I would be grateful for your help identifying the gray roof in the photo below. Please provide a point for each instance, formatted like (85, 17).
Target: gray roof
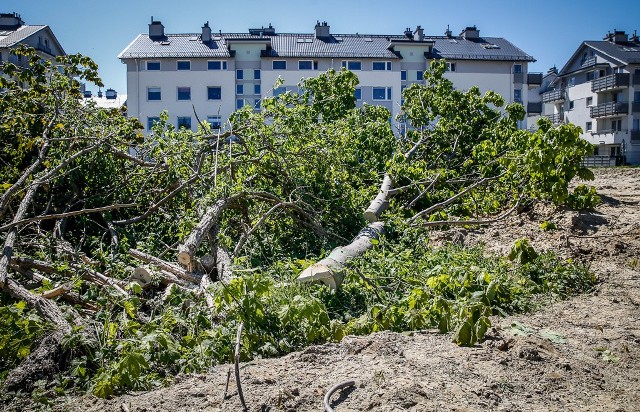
(483, 48)
(307, 45)
(627, 53)
(9, 38)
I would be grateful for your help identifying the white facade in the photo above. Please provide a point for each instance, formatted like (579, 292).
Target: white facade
(239, 69)
(598, 90)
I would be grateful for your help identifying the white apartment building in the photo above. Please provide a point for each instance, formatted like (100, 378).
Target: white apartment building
(598, 89)
(13, 32)
(217, 73)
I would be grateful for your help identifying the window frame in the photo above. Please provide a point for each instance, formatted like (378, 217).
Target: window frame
(256, 74)
(188, 63)
(403, 75)
(257, 88)
(588, 126)
(313, 65)
(451, 67)
(357, 94)
(239, 104)
(347, 64)
(210, 120)
(279, 62)
(420, 75)
(154, 62)
(210, 89)
(239, 89)
(159, 92)
(239, 74)
(150, 121)
(386, 66)
(221, 63)
(183, 99)
(386, 90)
(517, 95)
(180, 119)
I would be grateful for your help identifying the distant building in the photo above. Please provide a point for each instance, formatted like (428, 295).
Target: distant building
(598, 89)
(217, 73)
(110, 99)
(13, 32)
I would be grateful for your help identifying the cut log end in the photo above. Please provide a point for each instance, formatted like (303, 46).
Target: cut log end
(321, 273)
(184, 258)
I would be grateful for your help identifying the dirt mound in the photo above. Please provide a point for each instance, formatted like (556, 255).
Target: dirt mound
(578, 355)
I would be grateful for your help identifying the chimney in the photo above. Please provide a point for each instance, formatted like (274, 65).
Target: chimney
(156, 30)
(552, 70)
(634, 38)
(418, 35)
(110, 94)
(206, 33)
(408, 33)
(322, 30)
(447, 32)
(10, 21)
(618, 36)
(99, 93)
(471, 32)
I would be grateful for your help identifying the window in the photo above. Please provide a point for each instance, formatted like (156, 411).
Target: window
(382, 93)
(153, 65)
(256, 74)
(382, 66)
(358, 93)
(154, 93)
(239, 104)
(216, 65)
(517, 95)
(616, 125)
(451, 67)
(571, 104)
(257, 104)
(419, 74)
(214, 121)
(151, 121)
(184, 65)
(184, 93)
(571, 82)
(279, 90)
(214, 93)
(352, 64)
(636, 95)
(256, 89)
(636, 124)
(279, 65)
(591, 76)
(239, 89)
(588, 126)
(239, 74)
(517, 68)
(403, 75)
(307, 65)
(589, 101)
(184, 122)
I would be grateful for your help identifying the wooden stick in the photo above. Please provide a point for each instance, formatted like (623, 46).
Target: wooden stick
(237, 366)
(57, 291)
(166, 266)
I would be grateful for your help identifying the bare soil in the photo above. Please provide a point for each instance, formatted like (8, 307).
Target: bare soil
(582, 354)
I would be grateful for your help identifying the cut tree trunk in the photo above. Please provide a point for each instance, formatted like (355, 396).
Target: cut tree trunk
(330, 269)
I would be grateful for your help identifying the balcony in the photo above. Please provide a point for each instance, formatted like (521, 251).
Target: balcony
(635, 107)
(556, 118)
(553, 96)
(609, 109)
(591, 61)
(518, 77)
(634, 135)
(534, 79)
(607, 136)
(534, 107)
(613, 81)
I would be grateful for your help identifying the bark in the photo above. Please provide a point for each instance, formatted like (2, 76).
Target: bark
(223, 265)
(330, 269)
(187, 250)
(381, 202)
(47, 359)
(166, 266)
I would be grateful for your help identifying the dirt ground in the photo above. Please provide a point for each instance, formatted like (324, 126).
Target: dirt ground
(577, 355)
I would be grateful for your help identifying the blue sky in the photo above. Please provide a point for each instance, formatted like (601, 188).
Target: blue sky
(550, 31)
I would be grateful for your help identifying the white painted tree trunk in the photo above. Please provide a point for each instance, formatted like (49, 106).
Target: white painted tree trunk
(330, 269)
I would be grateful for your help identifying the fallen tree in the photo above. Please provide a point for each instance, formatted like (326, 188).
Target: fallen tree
(161, 253)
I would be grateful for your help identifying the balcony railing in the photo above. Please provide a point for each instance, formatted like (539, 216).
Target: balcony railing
(556, 118)
(613, 81)
(534, 79)
(635, 135)
(534, 107)
(553, 96)
(589, 62)
(518, 77)
(635, 107)
(609, 109)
